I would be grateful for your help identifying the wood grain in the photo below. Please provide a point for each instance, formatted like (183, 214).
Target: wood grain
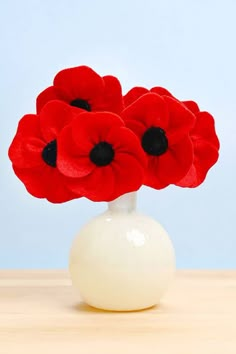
(40, 314)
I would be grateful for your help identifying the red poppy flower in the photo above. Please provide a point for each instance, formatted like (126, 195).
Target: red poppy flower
(101, 156)
(203, 135)
(33, 153)
(162, 125)
(82, 88)
(206, 147)
(138, 91)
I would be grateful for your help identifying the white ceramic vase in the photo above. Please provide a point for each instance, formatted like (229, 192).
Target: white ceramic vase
(122, 260)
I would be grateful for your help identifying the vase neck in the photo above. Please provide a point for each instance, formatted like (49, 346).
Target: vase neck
(125, 203)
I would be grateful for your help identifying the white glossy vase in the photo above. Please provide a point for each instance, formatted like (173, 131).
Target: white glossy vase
(122, 260)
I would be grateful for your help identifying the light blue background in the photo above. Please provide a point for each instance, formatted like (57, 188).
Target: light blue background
(185, 46)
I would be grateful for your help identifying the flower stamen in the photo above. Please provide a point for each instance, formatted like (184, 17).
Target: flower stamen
(49, 154)
(102, 154)
(154, 141)
(81, 104)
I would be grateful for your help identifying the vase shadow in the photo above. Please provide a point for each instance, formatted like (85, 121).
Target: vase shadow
(83, 307)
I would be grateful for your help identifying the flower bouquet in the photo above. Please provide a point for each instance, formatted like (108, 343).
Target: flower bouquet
(88, 140)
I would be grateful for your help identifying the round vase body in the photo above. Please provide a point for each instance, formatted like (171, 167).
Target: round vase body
(122, 260)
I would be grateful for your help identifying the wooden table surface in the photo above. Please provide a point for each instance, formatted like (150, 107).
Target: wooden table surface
(40, 314)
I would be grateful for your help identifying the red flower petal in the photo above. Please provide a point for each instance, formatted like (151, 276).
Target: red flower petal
(134, 94)
(97, 186)
(73, 159)
(25, 149)
(53, 117)
(181, 120)
(137, 127)
(167, 168)
(192, 106)
(46, 183)
(57, 191)
(112, 101)
(80, 82)
(49, 94)
(126, 142)
(128, 173)
(29, 126)
(205, 129)
(150, 110)
(124, 175)
(206, 145)
(180, 155)
(76, 141)
(161, 91)
(152, 177)
(205, 156)
(97, 183)
(92, 128)
(30, 153)
(31, 180)
(25, 152)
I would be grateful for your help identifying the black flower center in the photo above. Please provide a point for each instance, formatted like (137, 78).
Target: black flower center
(49, 153)
(154, 141)
(102, 154)
(81, 104)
